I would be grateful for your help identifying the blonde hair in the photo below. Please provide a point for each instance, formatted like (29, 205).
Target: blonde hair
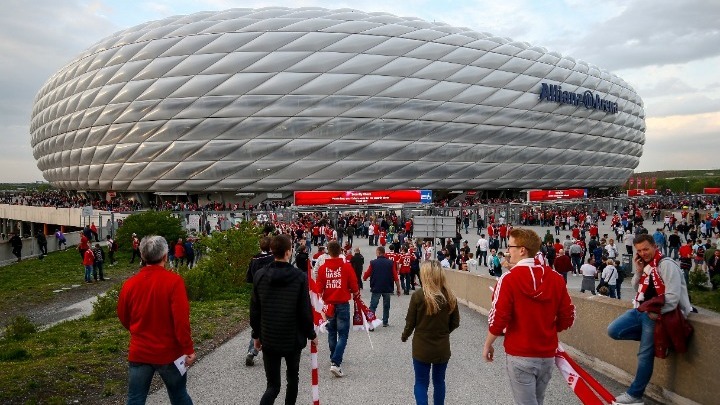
(434, 287)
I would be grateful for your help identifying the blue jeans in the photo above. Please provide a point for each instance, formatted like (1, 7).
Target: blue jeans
(88, 272)
(636, 325)
(576, 262)
(405, 282)
(140, 376)
(338, 327)
(375, 300)
(422, 382)
(673, 252)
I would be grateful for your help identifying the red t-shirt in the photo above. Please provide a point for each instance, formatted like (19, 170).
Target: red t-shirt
(685, 251)
(153, 306)
(84, 243)
(405, 261)
(336, 280)
(88, 258)
(179, 250)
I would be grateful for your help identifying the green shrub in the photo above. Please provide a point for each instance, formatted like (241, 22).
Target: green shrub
(223, 264)
(20, 328)
(161, 223)
(13, 354)
(716, 280)
(698, 279)
(106, 305)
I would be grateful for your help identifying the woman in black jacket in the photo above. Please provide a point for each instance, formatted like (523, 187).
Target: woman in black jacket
(301, 258)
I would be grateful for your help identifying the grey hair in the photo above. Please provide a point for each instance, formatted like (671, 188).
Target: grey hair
(153, 249)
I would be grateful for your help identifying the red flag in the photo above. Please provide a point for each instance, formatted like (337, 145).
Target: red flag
(632, 181)
(585, 386)
(654, 182)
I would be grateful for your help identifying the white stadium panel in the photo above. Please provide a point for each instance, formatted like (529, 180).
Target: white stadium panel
(310, 98)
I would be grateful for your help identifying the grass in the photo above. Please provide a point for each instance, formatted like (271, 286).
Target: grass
(706, 299)
(85, 360)
(32, 282)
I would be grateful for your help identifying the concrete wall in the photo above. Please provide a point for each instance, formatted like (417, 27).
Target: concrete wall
(680, 379)
(50, 215)
(31, 249)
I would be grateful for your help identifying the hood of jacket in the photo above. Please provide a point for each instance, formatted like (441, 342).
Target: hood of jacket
(280, 273)
(531, 279)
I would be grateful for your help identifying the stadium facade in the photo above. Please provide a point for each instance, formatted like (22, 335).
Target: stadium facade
(281, 99)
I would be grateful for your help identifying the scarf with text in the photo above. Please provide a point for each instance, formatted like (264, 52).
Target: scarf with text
(651, 269)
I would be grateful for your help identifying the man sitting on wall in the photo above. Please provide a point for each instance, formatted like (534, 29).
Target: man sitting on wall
(654, 276)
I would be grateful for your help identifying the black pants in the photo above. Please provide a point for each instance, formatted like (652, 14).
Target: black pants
(17, 251)
(136, 253)
(271, 362)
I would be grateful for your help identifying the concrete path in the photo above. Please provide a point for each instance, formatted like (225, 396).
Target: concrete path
(380, 376)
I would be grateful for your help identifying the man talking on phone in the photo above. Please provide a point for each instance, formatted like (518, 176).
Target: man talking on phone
(654, 276)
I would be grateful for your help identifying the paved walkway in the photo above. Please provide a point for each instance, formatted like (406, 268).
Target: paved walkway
(382, 375)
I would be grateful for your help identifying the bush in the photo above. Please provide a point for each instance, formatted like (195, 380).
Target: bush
(716, 280)
(106, 305)
(698, 279)
(20, 328)
(161, 223)
(13, 354)
(223, 262)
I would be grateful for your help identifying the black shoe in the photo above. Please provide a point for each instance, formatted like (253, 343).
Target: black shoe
(385, 325)
(250, 360)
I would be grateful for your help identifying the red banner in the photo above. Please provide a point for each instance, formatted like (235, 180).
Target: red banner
(636, 192)
(552, 195)
(632, 181)
(711, 190)
(362, 197)
(654, 182)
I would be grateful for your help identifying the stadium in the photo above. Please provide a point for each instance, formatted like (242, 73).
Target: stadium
(281, 99)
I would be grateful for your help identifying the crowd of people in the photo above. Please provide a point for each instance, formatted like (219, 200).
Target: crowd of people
(325, 247)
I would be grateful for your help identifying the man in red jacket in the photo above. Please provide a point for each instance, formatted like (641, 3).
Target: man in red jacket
(153, 306)
(336, 280)
(530, 306)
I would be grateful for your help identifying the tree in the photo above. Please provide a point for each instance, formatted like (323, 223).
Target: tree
(161, 223)
(223, 262)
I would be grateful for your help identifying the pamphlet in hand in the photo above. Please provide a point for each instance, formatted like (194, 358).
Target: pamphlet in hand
(180, 364)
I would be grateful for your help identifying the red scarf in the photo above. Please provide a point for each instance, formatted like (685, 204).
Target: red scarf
(650, 269)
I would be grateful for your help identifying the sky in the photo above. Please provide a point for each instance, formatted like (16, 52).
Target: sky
(668, 50)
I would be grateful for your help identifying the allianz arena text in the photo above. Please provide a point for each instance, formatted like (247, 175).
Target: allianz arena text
(281, 99)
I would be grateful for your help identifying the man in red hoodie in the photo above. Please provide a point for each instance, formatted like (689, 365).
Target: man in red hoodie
(530, 306)
(336, 280)
(153, 306)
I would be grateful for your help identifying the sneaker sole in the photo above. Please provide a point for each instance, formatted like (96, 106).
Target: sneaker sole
(337, 373)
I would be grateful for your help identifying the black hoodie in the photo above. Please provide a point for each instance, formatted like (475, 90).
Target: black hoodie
(280, 314)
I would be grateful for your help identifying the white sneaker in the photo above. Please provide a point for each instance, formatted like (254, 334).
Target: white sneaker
(627, 399)
(336, 370)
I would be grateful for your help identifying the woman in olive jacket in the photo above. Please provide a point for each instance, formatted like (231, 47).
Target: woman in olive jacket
(432, 314)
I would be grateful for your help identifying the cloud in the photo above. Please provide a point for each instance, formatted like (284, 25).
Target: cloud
(653, 32)
(678, 143)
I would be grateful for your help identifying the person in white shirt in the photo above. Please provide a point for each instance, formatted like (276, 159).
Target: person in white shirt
(588, 272)
(481, 250)
(611, 249)
(610, 276)
(427, 251)
(472, 264)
